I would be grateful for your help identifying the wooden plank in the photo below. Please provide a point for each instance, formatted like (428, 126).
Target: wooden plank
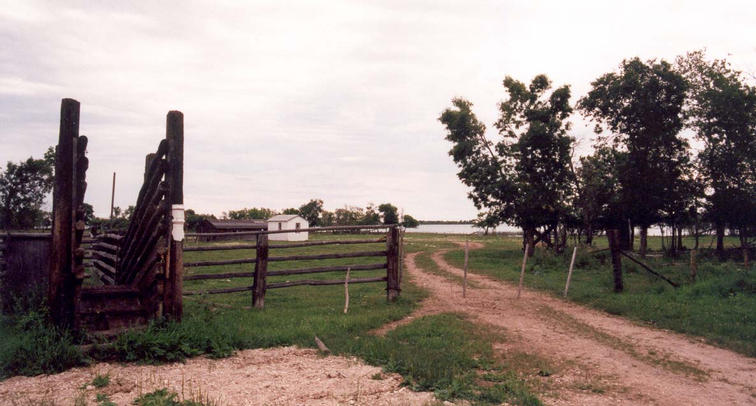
(328, 269)
(104, 268)
(220, 262)
(335, 242)
(311, 229)
(325, 282)
(281, 246)
(227, 275)
(261, 270)
(528, 248)
(61, 283)
(217, 291)
(221, 248)
(569, 273)
(392, 267)
(329, 256)
(172, 297)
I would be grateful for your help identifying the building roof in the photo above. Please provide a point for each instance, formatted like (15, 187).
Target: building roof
(284, 217)
(254, 224)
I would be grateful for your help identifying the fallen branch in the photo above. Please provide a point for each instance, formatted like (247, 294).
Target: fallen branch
(322, 347)
(647, 268)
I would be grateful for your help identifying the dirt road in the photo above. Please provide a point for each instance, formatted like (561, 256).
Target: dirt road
(596, 358)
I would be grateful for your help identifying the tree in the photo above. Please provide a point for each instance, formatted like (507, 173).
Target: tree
(641, 106)
(486, 220)
(290, 210)
(311, 210)
(250, 214)
(597, 191)
(721, 110)
(23, 188)
(371, 216)
(409, 222)
(389, 213)
(348, 216)
(524, 179)
(193, 219)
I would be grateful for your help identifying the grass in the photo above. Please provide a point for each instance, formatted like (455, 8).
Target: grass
(718, 306)
(443, 353)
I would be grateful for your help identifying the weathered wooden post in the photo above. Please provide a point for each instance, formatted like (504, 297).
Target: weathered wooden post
(693, 265)
(528, 250)
(62, 283)
(261, 271)
(464, 280)
(392, 261)
(614, 247)
(569, 273)
(172, 292)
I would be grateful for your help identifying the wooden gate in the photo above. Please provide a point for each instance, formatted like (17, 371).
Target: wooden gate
(140, 270)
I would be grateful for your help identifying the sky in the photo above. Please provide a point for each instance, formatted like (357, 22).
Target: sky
(285, 101)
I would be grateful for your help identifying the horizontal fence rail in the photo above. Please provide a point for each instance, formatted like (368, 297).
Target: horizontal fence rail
(391, 239)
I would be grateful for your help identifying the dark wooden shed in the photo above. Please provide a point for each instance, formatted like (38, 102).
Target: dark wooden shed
(229, 226)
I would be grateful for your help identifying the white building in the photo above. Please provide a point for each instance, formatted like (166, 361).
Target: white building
(287, 222)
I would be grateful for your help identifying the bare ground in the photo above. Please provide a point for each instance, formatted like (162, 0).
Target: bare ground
(596, 358)
(275, 376)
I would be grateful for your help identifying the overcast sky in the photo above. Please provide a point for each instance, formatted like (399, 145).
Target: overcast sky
(285, 101)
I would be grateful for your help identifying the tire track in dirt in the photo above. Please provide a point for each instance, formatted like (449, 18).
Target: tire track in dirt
(604, 359)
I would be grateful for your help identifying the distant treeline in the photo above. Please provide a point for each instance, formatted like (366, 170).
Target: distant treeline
(316, 215)
(446, 221)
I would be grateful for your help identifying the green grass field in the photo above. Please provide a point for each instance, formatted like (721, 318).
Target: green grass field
(719, 306)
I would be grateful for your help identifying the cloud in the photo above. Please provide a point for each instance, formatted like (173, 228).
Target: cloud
(287, 101)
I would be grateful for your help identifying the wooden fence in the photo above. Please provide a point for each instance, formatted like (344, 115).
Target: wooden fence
(393, 239)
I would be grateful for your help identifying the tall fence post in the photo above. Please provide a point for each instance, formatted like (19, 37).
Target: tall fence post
(172, 299)
(614, 247)
(392, 261)
(62, 284)
(261, 270)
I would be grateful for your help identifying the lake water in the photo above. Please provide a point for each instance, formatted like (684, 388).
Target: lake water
(469, 229)
(457, 229)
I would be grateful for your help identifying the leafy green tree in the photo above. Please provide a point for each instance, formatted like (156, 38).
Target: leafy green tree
(290, 210)
(389, 212)
(193, 219)
(525, 178)
(327, 218)
(597, 189)
(641, 106)
(371, 217)
(486, 221)
(23, 188)
(348, 216)
(409, 222)
(721, 110)
(311, 211)
(250, 214)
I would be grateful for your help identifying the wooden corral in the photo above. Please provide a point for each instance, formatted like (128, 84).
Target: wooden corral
(391, 255)
(140, 271)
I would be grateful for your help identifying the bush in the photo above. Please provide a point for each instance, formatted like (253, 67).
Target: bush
(29, 345)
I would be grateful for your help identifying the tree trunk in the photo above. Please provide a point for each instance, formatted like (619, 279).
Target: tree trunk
(661, 231)
(614, 246)
(589, 235)
(679, 238)
(744, 247)
(528, 240)
(720, 240)
(643, 240)
(624, 237)
(673, 242)
(632, 234)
